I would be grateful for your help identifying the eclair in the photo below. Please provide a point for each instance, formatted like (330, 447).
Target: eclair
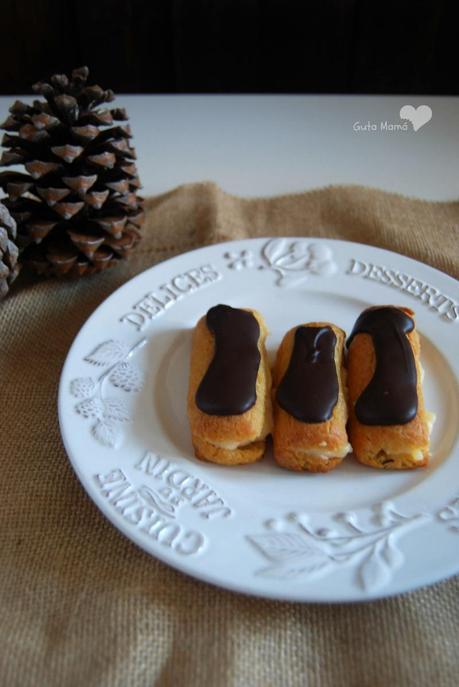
(389, 427)
(309, 399)
(229, 403)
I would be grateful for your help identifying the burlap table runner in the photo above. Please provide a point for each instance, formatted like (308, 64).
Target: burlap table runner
(80, 604)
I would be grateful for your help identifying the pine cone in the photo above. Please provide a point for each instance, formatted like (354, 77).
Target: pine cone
(77, 209)
(9, 267)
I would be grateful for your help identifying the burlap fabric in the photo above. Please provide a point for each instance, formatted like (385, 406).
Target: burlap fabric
(80, 604)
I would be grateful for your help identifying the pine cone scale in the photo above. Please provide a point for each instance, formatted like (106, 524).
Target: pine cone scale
(68, 153)
(38, 169)
(52, 195)
(9, 267)
(77, 206)
(39, 230)
(80, 184)
(97, 198)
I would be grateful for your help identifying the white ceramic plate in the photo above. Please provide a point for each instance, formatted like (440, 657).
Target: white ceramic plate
(353, 534)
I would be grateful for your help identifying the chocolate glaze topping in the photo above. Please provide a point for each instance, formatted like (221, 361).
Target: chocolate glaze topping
(309, 389)
(229, 385)
(391, 396)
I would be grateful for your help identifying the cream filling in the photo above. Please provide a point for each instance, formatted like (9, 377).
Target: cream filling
(326, 455)
(422, 371)
(233, 445)
(430, 419)
(416, 454)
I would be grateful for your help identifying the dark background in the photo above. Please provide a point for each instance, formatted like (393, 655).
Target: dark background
(224, 46)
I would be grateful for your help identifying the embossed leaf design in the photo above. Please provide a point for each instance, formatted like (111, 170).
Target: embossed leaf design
(374, 572)
(320, 252)
(273, 250)
(290, 279)
(291, 262)
(281, 546)
(385, 514)
(374, 556)
(115, 409)
(324, 268)
(107, 353)
(300, 249)
(350, 520)
(83, 387)
(447, 513)
(450, 512)
(108, 433)
(127, 376)
(299, 256)
(90, 407)
(391, 553)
